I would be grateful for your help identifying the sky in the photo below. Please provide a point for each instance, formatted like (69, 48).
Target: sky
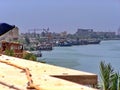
(61, 15)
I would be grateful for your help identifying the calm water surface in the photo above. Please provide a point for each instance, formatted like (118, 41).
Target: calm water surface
(85, 57)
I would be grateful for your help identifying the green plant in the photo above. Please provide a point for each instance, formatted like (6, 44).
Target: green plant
(9, 52)
(115, 85)
(110, 79)
(30, 56)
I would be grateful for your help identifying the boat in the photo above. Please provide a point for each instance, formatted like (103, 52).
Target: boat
(64, 44)
(37, 53)
(80, 42)
(86, 42)
(44, 47)
(93, 41)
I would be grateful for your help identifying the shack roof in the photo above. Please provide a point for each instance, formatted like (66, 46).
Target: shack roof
(4, 27)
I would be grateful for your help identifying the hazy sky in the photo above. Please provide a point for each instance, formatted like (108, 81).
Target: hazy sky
(61, 15)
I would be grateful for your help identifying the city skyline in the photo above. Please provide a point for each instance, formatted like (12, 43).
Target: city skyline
(62, 15)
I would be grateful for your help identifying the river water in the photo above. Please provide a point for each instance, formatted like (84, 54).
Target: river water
(85, 57)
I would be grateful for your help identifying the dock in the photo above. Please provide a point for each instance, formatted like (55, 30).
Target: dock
(20, 74)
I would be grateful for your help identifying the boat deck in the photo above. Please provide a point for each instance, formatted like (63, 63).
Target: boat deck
(14, 77)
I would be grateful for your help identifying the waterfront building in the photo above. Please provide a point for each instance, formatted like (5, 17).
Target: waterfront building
(86, 31)
(105, 35)
(63, 34)
(118, 31)
(89, 33)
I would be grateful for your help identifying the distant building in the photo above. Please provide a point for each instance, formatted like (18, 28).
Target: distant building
(105, 34)
(84, 33)
(63, 34)
(89, 33)
(118, 31)
(84, 30)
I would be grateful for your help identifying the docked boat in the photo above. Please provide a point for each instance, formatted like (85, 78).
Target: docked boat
(44, 47)
(80, 42)
(94, 41)
(37, 53)
(63, 44)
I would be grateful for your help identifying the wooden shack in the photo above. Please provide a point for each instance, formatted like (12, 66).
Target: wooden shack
(16, 48)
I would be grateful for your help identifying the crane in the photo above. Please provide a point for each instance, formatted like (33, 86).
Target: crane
(37, 29)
